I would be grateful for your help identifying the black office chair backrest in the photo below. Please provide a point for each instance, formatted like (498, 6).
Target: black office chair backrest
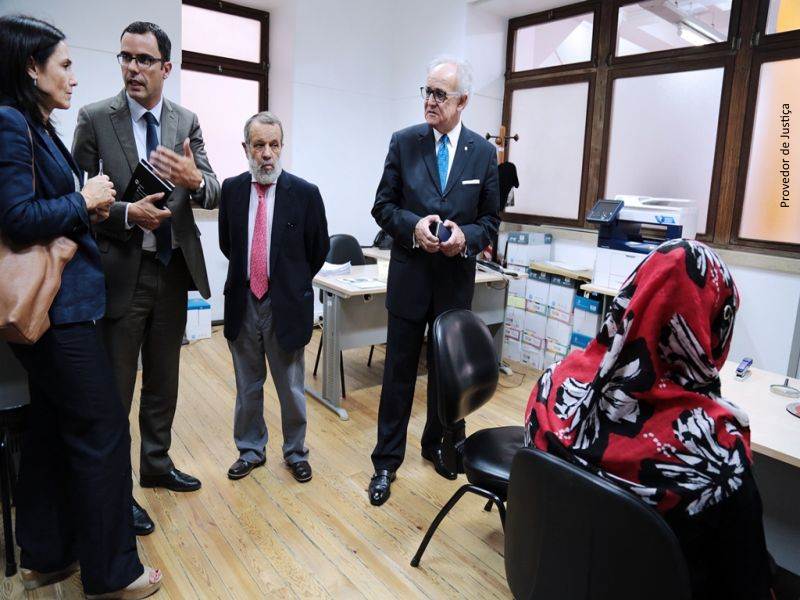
(345, 248)
(574, 536)
(466, 364)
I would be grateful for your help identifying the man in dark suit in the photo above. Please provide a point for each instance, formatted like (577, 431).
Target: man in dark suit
(151, 255)
(441, 173)
(273, 230)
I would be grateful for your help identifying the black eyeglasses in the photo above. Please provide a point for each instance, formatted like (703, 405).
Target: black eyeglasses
(143, 60)
(440, 96)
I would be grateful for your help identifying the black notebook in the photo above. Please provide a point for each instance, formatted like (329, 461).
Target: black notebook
(145, 181)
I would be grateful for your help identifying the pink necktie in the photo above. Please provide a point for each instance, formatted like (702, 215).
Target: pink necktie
(259, 282)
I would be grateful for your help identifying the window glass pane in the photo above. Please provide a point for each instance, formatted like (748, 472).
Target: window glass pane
(220, 34)
(656, 25)
(663, 137)
(222, 129)
(771, 210)
(784, 15)
(551, 123)
(551, 44)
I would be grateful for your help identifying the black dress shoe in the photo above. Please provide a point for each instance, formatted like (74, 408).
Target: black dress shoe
(142, 523)
(241, 468)
(301, 470)
(435, 456)
(173, 480)
(380, 486)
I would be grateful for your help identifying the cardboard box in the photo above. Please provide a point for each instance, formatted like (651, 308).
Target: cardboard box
(532, 357)
(512, 349)
(579, 341)
(551, 355)
(198, 319)
(586, 316)
(517, 287)
(524, 247)
(534, 329)
(558, 332)
(561, 294)
(515, 318)
(538, 288)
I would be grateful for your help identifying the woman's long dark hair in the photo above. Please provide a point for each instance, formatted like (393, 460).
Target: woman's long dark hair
(24, 38)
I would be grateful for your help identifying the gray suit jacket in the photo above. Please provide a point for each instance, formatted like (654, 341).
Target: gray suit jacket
(105, 131)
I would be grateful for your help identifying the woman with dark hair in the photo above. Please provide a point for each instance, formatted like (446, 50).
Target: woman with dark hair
(74, 493)
(642, 407)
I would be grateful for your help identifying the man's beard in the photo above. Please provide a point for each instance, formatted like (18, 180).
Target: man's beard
(262, 176)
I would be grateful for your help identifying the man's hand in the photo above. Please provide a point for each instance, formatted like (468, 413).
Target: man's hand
(99, 214)
(145, 214)
(422, 233)
(178, 169)
(456, 242)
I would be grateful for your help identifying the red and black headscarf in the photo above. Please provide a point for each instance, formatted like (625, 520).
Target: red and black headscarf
(641, 405)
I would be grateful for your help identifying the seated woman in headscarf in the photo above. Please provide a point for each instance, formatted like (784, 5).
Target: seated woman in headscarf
(642, 407)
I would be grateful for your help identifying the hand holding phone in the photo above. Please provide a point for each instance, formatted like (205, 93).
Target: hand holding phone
(441, 232)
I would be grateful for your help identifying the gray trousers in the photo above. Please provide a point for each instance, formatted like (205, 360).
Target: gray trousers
(256, 340)
(154, 324)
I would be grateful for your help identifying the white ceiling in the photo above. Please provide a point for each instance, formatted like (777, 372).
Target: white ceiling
(517, 8)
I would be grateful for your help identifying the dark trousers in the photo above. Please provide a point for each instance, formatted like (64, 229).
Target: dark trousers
(725, 548)
(155, 324)
(403, 346)
(74, 492)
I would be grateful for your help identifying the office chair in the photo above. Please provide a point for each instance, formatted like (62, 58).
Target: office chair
(467, 371)
(343, 248)
(574, 536)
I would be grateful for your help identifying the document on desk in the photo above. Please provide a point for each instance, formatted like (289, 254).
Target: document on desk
(361, 283)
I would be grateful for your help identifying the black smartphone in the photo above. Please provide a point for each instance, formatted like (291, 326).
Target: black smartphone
(440, 231)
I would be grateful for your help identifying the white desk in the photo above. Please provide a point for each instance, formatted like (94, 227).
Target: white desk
(774, 432)
(353, 318)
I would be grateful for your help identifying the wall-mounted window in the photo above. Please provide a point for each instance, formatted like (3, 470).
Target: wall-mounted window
(554, 43)
(224, 75)
(659, 25)
(686, 100)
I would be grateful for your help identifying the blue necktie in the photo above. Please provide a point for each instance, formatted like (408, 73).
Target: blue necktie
(443, 157)
(163, 232)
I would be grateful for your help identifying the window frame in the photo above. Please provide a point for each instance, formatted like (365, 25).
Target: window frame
(231, 67)
(526, 84)
(741, 57)
(776, 53)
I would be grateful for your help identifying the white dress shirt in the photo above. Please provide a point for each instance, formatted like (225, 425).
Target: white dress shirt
(140, 136)
(251, 218)
(452, 140)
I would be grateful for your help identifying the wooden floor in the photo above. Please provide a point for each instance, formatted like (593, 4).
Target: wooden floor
(268, 536)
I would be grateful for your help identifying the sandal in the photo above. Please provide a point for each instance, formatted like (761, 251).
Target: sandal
(35, 579)
(145, 585)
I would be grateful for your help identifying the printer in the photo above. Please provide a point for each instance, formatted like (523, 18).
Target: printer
(633, 226)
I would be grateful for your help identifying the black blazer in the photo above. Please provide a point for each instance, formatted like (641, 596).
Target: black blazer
(298, 247)
(409, 190)
(48, 207)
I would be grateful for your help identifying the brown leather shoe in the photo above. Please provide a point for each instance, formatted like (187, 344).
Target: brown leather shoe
(35, 579)
(241, 468)
(147, 584)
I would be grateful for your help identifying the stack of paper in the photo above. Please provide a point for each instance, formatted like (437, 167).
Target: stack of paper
(334, 269)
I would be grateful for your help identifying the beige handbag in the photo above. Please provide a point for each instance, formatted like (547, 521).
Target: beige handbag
(30, 277)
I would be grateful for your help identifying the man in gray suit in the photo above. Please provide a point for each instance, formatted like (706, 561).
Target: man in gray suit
(151, 254)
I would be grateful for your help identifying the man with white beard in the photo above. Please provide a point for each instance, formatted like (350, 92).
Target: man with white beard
(273, 230)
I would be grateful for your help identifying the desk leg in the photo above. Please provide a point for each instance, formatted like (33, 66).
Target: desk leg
(331, 396)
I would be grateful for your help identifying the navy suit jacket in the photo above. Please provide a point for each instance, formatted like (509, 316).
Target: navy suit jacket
(47, 206)
(298, 246)
(420, 282)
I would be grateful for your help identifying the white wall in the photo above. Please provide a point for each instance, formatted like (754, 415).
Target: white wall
(93, 29)
(349, 77)
(765, 322)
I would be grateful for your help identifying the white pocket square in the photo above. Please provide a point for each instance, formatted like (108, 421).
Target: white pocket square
(471, 182)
